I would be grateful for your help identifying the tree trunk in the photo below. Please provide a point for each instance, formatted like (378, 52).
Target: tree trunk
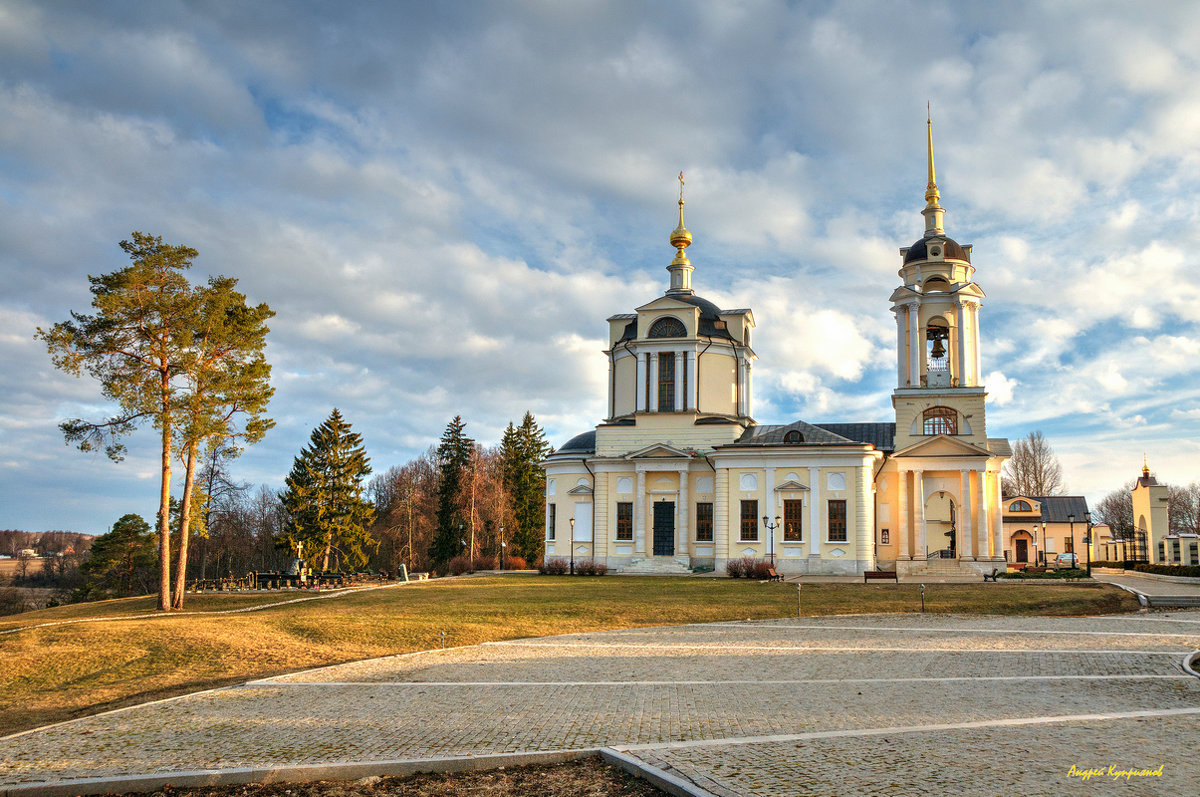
(325, 561)
(185, 524)
(164, 516)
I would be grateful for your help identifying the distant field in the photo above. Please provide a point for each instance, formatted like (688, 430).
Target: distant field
(116, 658)
(8, 567)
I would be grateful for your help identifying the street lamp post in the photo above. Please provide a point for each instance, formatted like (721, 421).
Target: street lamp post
(1087, 518)
(771, 539)
(502, 546)
(572, 546)
(1043, 549)
(1071, 518)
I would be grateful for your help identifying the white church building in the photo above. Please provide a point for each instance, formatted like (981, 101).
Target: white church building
(679, 476)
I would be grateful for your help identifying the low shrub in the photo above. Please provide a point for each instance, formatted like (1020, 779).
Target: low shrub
(735, 568)
(458, 565)
(484, 563)
(514, 563)
(1077, 572)
(553, 567)
(590, 567)
(760, 569)
(1118, 564)
(1191, 571)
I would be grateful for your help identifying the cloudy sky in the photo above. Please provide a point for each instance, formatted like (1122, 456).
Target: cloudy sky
(444, 202)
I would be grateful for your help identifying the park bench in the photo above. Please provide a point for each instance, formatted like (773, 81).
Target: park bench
(992, 576)
(773, 575)
(876, 575)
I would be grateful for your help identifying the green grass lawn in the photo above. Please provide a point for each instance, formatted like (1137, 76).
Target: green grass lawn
(71, 669)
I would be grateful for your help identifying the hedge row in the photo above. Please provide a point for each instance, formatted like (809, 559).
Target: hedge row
(1192, 571)
(1051, 574)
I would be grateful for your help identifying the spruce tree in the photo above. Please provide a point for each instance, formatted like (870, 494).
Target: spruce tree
(454, 457)
(522, 450)
(326, 498)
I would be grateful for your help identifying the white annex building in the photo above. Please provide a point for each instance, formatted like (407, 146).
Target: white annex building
(680, 476)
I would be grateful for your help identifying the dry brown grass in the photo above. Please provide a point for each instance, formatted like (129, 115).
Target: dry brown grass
(57, 672)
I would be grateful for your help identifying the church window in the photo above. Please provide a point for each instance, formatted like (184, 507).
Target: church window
(793, 514)
(625, 520)
(749, 521)
(666, 381)
(837, 521)
(885, 537)
(704, 522)
(792, 436)
(940, 420)
(551, 516)
(667, 328)
(1020, 506)
(936, 284)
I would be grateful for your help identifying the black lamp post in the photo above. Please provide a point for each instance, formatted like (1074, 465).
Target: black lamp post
(1071, 518)
(1087, 518)
(771, 539)
(572, 546)
(502, 546)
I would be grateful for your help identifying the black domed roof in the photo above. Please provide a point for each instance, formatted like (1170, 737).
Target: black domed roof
(952, 249)
(708, 310)
(584, 443)
(711, 324)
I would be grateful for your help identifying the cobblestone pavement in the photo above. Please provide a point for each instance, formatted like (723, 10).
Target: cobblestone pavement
(1150, 586)
(902, 704)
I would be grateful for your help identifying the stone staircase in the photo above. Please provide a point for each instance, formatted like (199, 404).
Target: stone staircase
(950, 568)
(656, 566)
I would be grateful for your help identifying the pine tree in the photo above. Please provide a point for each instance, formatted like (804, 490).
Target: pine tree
(522, 449)
(134, 345)
(225, 376)
(121, 562)
(326, 498)
(454, 458)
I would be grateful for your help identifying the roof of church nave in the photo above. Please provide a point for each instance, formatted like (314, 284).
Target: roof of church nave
(879, 435)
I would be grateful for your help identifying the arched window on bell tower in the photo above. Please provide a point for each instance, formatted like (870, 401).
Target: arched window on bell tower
(939, 420)
(937, 353)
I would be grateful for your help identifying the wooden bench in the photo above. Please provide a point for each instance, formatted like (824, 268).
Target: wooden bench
(773, 575)
(875, 575)
(992, 576)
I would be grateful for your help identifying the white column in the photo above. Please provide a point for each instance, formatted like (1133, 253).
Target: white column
(961, 369)
(679, 380)
(901, 361)
(981, 514)
(966, 548)
(814, 512)
(748, 388)
(741, 383)
(921, 543)
(654, 381)
(639, 514)
(914, 345)
(996, 517)
(682, 533)
(975, 340)
(902, 518)
(639, 386)
(721, 514)
(693, 382)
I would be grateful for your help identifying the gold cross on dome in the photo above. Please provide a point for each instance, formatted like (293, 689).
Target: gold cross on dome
(681, 186)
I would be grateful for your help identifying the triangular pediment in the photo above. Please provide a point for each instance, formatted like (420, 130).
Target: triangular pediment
(943, 446)
(666, 303)
(580, 489)
(790, 484)
(658, 451)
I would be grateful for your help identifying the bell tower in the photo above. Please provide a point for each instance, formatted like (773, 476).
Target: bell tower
(939, 386)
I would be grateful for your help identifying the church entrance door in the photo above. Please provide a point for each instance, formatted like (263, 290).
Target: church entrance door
(1022, 551)
(664, 528)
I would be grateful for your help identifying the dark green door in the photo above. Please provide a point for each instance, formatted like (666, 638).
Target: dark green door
(664, 528)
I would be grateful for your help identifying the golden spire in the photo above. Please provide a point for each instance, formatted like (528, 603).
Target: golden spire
(933, 211)
(681, 267)
(931, 190)
(1145, 466)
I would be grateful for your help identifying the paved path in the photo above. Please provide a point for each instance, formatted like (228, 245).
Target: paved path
(1156, 591)
(888, 704)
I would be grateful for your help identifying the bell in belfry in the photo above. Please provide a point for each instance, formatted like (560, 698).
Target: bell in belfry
(939, 349)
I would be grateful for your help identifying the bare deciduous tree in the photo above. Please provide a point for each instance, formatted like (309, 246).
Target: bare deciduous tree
(1033, 469)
